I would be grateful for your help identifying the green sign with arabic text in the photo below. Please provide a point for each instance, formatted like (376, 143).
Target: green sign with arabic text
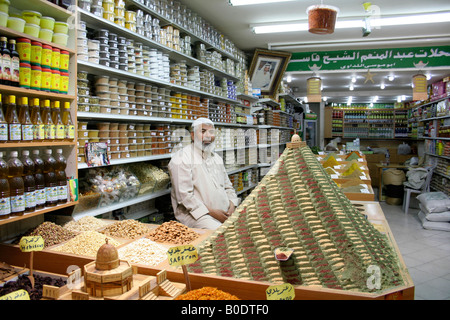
(416, 58)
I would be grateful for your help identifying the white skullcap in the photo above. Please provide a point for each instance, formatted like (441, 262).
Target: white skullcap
(201, 121)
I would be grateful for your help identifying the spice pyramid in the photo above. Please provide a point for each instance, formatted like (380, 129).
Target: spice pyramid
(297, 205)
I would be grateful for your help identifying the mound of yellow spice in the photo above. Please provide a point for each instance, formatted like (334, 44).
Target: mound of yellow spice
(207, 293)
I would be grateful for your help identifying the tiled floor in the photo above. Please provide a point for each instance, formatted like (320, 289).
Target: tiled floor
(425, 252)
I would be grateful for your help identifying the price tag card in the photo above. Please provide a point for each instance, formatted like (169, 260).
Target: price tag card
(283, 291)
(16, 295)
(182, 255)
(28, 244)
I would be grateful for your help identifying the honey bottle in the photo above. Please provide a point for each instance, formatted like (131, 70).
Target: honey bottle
(51, 187)
(15, 128)
(3, 124)
(5, 205)
(61, 178)
(16, 185)
(50, 128)
(57, 121)
(69, 127)
(25, 120)
(29, 182)
(38, 124)
(39, 179)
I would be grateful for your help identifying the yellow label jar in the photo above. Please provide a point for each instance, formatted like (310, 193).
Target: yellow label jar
(36, 77)
(64, 83)
(24, 75)
(64, 61)
(46, 60)
(56, 79)
(36, 52)
(24, 49)
(46, 79)
(56, 58)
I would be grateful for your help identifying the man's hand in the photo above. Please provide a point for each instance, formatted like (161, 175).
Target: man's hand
(218, 214)
(231, 208)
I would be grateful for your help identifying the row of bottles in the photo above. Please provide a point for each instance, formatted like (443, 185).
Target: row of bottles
(34, 120)
(9, 62)
(31, 182)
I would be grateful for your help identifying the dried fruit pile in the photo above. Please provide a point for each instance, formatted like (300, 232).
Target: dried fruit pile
(207, 293)
(298, 205)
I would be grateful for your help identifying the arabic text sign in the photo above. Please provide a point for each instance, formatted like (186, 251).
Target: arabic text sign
(283, 291)
(28, 244)
(417, 57)
(182, 255)
(16, 295)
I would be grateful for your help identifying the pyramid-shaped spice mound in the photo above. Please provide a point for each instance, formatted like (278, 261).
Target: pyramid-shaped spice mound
(297, 205)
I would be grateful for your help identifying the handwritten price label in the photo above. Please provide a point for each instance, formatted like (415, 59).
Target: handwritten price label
(16, 295)
(283, 291)
(28, 244)
(182, 255)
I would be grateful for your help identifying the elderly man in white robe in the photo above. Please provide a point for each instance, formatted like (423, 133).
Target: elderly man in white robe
(202, 194)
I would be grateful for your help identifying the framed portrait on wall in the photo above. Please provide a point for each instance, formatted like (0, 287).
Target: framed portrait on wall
(267, 69)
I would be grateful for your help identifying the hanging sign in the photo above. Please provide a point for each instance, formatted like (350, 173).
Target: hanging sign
(420, 87)
(313, 91)
(415, 58)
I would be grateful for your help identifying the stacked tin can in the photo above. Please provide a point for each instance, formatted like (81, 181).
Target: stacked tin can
(82, 45)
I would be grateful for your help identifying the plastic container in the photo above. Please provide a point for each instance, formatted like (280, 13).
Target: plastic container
(47, 23)
(61, 27)
(32, 17)
(60, 38)
(3, 19)
(4, 6)
(322, 18)
(16, 24)
(32, 29)
(46, 34)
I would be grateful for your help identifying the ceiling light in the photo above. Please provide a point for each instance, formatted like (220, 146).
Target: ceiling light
(391, 78)
(382, 86)
(428, 76)
(249, 2)
(344, 24)
(375, 99)
(351, 87)
(399, 99)
(289, 78)
(353, 79)
(324, 98)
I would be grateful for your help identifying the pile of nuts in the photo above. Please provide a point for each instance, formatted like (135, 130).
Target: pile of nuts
(86, 243)
(51, 233)
(86, 223)
(143, 251)
(128, 229)
(173, 232)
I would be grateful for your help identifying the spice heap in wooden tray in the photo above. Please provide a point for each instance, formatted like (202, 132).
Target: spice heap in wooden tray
(297, 205)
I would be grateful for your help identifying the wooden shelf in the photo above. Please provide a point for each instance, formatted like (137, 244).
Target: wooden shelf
(37, 144)
(35, 93)
(37, 212)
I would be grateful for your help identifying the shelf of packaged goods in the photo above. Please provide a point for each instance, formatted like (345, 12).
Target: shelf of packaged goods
(177, 56)
(248, 97)
(165, 21)
(45, 7)
(27, 144)
(120, 205)
(268, 126)
(233, 171)
(98, 69)
(438, 156)
(120, 117)
(15, 34)
(114, 162)
(35, 93)
(37, 212)
(245, 189)
(436, 138)
(434, 118)
(269, 101)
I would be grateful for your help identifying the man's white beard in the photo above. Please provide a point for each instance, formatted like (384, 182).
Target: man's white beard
(207, 148)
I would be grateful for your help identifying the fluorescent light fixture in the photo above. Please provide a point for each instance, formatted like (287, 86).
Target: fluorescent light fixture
(382, 86)
(353, 79)
(399, 99)
(250, 2)
(345, 24)
(289, 78)
(351, 87)
(391, 78)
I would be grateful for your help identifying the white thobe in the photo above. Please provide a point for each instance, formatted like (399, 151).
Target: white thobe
(199, 181)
